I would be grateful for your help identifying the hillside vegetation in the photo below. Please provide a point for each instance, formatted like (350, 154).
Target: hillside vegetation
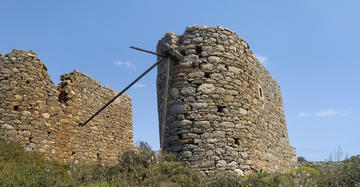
(148, 168)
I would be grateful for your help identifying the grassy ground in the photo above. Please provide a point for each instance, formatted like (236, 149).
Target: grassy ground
(148, 168)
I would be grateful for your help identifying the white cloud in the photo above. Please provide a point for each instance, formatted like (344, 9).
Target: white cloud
(125, 64)
(303, 114)
(139, 85)
(121, 63)
(344, 113)
(325, 113)
(262, 59)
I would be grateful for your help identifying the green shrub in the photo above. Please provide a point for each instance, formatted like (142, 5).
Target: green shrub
(344, 173)
(21, 168)
(18, 167)
(145, 167)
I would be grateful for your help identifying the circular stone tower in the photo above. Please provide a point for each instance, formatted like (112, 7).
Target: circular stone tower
(219, 108)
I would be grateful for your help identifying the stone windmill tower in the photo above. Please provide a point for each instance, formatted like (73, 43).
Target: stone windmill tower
(219, 108)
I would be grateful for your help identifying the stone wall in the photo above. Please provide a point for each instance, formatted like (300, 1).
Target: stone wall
(222, 109)
(44, 117)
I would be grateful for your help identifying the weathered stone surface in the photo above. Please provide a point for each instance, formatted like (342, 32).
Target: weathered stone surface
(188, 91)
(185, 122)
(214, 59)
(239, 172)
(26, 113)
(233, 164)
(178, 109)
(196, 74)
(242, 111)
(7, 127)
(202, 123)
(206, 88)
(187, 153)
(221, 164)
(175, 92)
(44, 117)
(18, 97)
(207, 66)
(199, 105)
(217, 98)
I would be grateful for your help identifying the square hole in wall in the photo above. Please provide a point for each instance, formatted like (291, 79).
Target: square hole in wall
(207, 75)
(236, 140)
(221, 109)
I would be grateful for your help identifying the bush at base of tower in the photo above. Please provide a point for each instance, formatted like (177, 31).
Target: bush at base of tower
(146, 167)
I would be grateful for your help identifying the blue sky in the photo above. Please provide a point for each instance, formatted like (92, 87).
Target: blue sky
(310, 47)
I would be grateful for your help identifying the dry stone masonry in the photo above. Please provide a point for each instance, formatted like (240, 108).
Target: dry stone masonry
(219, 108)
(44, 117)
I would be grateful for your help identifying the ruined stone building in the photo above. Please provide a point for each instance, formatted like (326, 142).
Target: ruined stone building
(219, 108)
(44, 117)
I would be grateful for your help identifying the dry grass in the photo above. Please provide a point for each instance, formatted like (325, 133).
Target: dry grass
(148, 168)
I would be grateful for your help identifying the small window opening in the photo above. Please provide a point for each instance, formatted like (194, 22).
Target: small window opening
(27, 82)
(73, 153)
(180, 136)
(198, 50)
(98, 155)
(221, 108)
(48, 132)
(30, 139)
(236, 140)
(207, 75)
(16, 108)
(260, 93)
(182, 52)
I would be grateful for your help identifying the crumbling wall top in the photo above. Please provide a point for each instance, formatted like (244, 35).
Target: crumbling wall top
(44, 117)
